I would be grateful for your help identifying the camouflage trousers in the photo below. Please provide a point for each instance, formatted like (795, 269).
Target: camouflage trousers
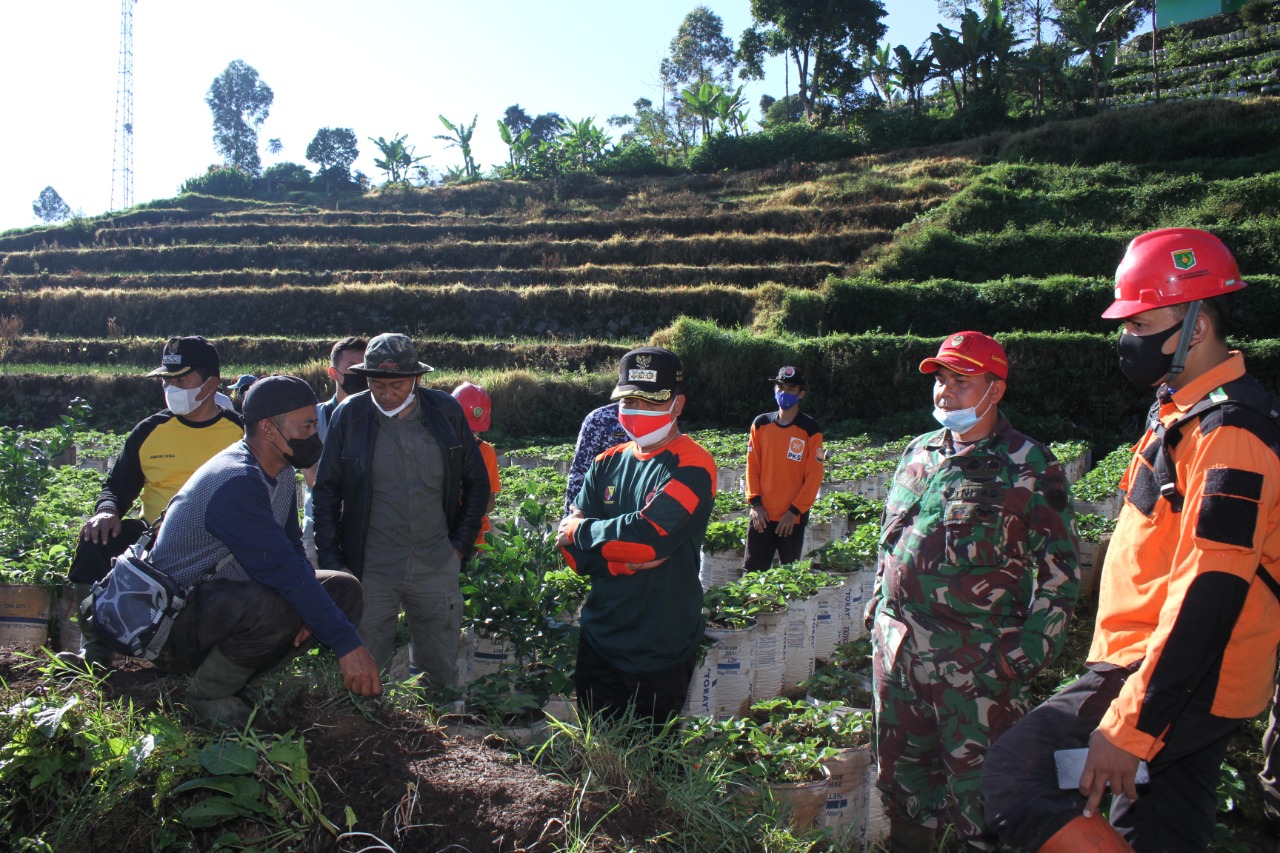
(936, 713)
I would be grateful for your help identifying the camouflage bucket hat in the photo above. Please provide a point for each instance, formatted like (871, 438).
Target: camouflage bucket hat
(389, 356)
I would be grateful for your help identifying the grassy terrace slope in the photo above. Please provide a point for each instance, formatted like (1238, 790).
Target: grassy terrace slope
(853, 268)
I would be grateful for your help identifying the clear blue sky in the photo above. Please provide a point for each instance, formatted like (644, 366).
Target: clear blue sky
(381, 67)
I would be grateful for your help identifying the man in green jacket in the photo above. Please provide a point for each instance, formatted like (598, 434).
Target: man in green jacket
(636, 529)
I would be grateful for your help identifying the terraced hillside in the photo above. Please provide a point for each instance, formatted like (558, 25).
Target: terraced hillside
(853, 268)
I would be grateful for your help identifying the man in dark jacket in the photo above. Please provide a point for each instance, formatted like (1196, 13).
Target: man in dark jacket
(399, 497)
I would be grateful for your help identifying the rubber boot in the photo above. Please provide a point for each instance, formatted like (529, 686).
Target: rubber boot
(94, 653)
(910, 837)
(212, 692)
(1086, 835)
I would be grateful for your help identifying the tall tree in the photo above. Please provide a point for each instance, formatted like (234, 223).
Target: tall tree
(1031, 17)
(649, 126)
(334, 149)
(822, 38)
(49, 207)
(240, 103)
(543, 128)
(700, 53)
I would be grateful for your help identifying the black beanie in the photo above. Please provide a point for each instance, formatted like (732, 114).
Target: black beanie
(276, 395)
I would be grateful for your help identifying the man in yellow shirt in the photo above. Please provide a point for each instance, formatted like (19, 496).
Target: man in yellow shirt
(160, 454)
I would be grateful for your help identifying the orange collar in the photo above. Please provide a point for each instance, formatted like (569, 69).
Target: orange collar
(1220, 374)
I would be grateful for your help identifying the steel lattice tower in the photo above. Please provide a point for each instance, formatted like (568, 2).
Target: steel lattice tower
(122, 148)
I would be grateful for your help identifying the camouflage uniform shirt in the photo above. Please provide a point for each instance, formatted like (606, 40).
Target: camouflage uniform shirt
(975, 585)
(977, 550)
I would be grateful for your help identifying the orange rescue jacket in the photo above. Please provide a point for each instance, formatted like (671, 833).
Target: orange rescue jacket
(1182, 594)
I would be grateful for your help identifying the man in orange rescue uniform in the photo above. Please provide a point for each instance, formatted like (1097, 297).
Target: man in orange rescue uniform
(784, 471)
(1184, 649)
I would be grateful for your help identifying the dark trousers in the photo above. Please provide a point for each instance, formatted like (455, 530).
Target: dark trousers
(1176, 812)
(249, 623)
(606, 690)
(92, 560)
(763, 544)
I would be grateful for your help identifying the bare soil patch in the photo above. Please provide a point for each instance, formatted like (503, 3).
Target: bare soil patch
(410, 785)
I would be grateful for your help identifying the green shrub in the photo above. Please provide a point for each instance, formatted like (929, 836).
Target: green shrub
(287, 176)
(634, 158)
(220, 181)
(938, 252)
(863, 379)
(1162, 133)
(798, 142)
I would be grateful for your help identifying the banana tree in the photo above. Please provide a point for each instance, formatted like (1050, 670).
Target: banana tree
(518, 145)
(701, 102)
(879, 72)
(911, 72)
(729, 112)
(397, 157)
(1094, 38)
(583, 143)
(974, 58)
(461, 139)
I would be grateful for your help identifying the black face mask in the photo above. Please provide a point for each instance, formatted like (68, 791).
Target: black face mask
(1141, 359)
(354, 383)
(304, 452)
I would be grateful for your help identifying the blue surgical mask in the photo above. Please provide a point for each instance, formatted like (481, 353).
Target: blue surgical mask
(785, 400)
(960, 421)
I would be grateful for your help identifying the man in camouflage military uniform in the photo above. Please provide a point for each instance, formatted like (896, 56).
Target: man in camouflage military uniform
(976, 583)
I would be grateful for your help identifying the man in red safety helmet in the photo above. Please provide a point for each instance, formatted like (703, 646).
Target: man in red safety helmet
(1184, 649)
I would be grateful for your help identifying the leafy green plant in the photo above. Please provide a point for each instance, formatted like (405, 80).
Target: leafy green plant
(36, 515)
(460, 138)
(68, 757)
(728, 607)
(728, 535)
(856, 552)
(1091, 527)
(758, 752)
(503, 595)
(858, 509)
(832, 724)
(1068, 451)
(220, 181)
(845, 678)
(730, 502)
(1102, 482)
(261, 778)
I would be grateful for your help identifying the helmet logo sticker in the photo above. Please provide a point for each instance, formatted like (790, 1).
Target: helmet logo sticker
(1184, 259)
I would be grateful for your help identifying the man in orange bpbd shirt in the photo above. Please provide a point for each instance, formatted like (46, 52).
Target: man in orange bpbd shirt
(1184, 649)
(784, 470)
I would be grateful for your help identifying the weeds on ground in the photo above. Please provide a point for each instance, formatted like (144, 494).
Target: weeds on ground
(693, 798)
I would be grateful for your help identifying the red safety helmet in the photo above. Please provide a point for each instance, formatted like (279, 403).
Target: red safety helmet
(1171, 266)
(475, 404)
